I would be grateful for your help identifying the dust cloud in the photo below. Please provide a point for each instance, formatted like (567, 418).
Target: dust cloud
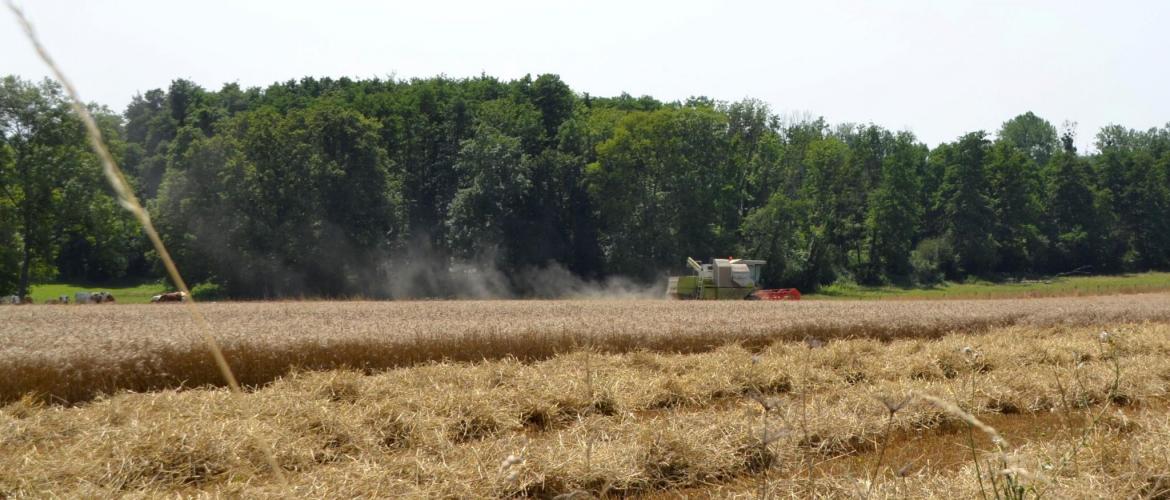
(417, 275)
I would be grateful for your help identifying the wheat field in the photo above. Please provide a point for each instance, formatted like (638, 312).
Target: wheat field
(581, 399)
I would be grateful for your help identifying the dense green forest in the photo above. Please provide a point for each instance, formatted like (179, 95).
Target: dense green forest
(393, 188)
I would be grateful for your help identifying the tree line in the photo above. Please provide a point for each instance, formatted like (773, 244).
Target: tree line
(339, 187)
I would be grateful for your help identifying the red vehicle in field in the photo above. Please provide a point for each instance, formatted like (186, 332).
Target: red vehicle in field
(776, 294)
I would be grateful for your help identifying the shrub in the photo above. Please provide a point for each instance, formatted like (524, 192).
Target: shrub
(931, 260)
(208, 290)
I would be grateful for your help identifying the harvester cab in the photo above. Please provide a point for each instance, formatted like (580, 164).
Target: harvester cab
(725, 279)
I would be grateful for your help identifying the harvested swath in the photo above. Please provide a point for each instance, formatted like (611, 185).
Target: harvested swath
(72, 354)
(444, 429)
(1117, 461)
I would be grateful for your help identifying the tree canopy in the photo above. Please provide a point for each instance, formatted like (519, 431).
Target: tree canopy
(392, 188)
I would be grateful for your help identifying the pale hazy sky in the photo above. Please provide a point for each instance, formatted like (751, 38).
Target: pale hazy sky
(938, 68)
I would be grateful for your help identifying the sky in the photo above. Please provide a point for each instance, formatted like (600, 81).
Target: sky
(939, 68)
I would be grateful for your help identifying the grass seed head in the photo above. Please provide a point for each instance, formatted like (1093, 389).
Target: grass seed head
(511, 461)
(969, 353)
(893, 404)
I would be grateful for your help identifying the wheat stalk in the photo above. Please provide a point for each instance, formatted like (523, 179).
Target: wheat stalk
(126, 198)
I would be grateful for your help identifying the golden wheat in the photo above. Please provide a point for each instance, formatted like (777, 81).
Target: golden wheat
(70, 354)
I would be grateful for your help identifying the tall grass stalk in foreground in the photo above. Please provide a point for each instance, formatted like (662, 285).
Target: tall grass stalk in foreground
(589, 401)
(972, 357)
(1011, 485)
(765, 408)
(590, 404)
(126, 198)
(1005, 481)
(892, 404)
(1109, 349)
(768, 404)
(806, 386)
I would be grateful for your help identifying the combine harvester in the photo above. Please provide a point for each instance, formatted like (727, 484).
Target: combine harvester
(725, 279)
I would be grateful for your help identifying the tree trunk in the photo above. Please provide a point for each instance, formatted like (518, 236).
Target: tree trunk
(25, 263)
